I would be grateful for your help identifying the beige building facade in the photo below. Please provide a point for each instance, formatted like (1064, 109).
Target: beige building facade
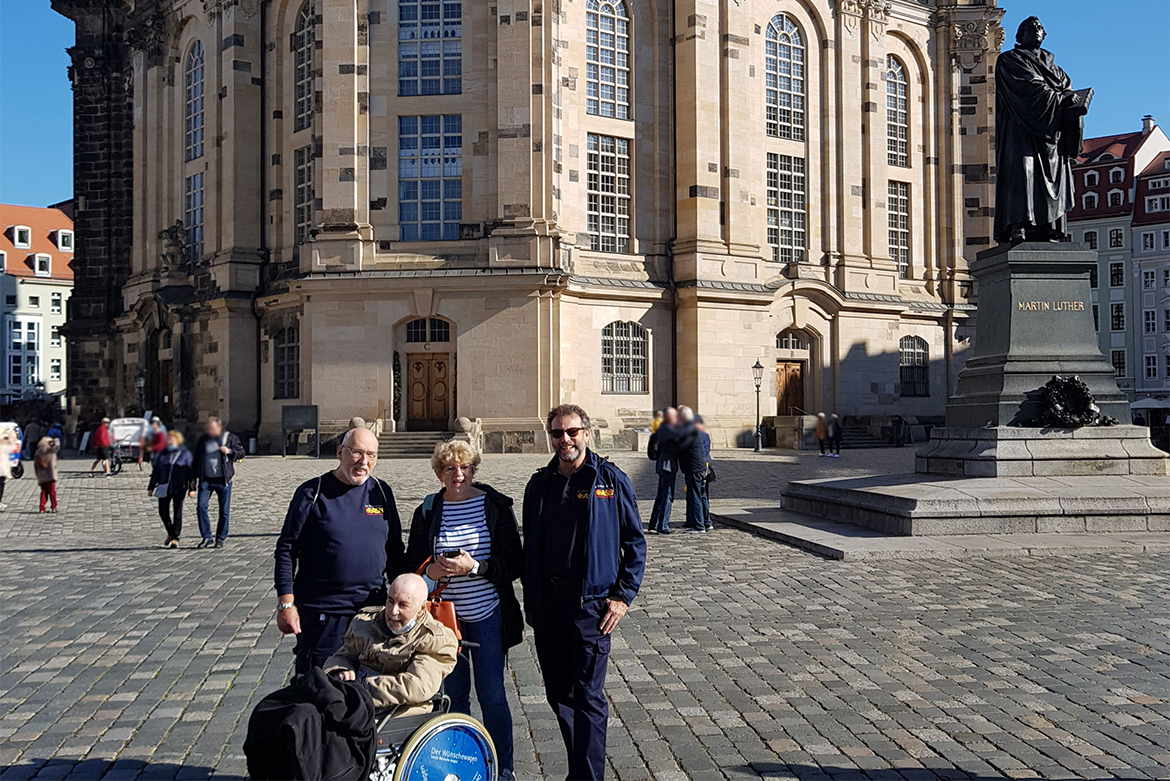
(415, 211)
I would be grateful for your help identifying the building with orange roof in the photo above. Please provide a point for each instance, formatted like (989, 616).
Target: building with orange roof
(36, 253)
(1101, 218)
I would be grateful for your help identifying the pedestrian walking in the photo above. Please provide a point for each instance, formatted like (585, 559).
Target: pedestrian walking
(834, 434)
(466, 535)
(101, 447)
(45, 464)
(32, 438)
(684, 442)
(8, 445)
(584, 560)
(821, 432)
(171, 481)
(666, 466)
(341, 542)
(708, 472)
(216, 453)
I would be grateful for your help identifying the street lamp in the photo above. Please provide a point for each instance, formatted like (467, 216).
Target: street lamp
(758, 374)
(140, 381)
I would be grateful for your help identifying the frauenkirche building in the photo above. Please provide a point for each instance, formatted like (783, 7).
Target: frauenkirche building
(417, 210)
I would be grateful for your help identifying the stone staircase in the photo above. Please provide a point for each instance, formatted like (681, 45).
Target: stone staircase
(410, 444)
(855, 435)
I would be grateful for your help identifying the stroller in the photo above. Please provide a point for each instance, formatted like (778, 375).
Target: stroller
(14, 456)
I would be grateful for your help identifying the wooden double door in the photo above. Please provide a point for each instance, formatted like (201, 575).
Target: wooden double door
(790, 388)
(428, 383)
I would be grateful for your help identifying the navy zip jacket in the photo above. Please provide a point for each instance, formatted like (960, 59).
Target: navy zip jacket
(615, 548)
(172, 467)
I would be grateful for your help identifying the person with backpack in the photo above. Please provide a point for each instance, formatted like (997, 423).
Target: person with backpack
(341, 542)
(45, 463)
(170, 482)
(214, 467)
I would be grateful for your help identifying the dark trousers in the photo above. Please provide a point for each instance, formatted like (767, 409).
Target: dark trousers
(321, 636)
(2, 481)
(487, 665)
(822, 444)
(696, 498)
(573, 655)
(224, 492)
(835, 445)
(660, 515)
(174, 527)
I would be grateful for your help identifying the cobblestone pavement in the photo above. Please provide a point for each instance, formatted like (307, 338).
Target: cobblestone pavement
(741, 659)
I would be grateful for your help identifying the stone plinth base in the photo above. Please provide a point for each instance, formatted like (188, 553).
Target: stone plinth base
(1005, 451)
(923, 505)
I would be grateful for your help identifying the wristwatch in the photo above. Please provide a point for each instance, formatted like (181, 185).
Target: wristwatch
(474, 568)
(283, 606)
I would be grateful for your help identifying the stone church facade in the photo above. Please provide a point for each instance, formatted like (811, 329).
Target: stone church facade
(417, 210)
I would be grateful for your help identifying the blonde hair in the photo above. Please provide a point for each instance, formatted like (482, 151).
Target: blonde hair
(454, 452)
(175, 435)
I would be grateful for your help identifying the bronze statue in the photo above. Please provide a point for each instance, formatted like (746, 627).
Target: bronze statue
(1039, 127)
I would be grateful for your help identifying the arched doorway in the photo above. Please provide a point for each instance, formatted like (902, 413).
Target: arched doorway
(429, 370)
(794, 371)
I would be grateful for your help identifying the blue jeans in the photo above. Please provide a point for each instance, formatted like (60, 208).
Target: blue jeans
(487, 663)
(696, 499)
(224, 492)
(660, 515)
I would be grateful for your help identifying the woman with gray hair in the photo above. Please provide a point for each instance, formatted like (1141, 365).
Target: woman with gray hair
(467, 536)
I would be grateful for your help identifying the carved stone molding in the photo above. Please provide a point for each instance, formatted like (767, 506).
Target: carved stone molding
(972, 38)
(152, 31)
(877, 14)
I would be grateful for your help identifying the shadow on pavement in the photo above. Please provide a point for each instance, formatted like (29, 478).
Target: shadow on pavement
(117, 770)
(779, 770)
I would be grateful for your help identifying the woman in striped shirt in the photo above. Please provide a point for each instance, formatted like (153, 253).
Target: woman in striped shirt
(468, 537)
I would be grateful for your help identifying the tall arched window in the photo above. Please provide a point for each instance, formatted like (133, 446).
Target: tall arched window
(914, 366)
(624, 363)
(784, 85)
(607, 46)
(304, 36)
(897, 117)
(193, 112)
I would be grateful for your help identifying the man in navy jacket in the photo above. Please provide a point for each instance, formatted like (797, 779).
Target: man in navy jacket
(584, 559)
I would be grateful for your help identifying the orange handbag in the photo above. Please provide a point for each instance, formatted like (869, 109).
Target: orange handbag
(443, 612)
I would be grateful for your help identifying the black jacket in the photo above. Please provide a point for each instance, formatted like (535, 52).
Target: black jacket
(236, 452)
(685, 444)
(664, 462)
(317, 727)
(505, 565)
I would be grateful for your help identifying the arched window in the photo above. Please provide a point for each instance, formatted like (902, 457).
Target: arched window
(792, 339)
(784, 85)
(607, 47)
(914, 366)
(1091, 179)
(430, 47)
(897, 119)
(624, 363)
(193, 109)
(428, 330)
(287, 363)
(303, 41)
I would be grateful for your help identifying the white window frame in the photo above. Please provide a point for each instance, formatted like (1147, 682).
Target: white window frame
(65, 240)
(1117, 317)
(303, 45)
(1094, 180)
(1158, 203)
(48, 260)
(1116, 170)
(1151, 367)
(897, 113)
(55, 369)
(1119, 194)
(787, 189)
(1091, 244)
(1087, 199)
(16, 242)
(785, 79)
(1119, 235)
(55, 336)
(1149, 279)
(34, 302)
(608, 59)
(609, 187)
(1159, 184)
(432, 43)
(56, 302)
(898, 219)
(195, 96)
(3, 262)
(1148, 243)
(1165, 239)
(1150, 321)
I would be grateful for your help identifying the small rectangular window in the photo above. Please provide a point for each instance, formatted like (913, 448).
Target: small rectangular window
(16, 370)
(1147, 241)
(1165, 239)
(1149, 280)
(16, 332)
(3, 262)
(1115, 199)
(10, 300)
(44, 266)
(55, 303)
(1166, 321)
(1116, 275)
(1151, 367)
(65, 241)
(34, 301)
(1150, 321)
(55, 336)
(1119, 362)
(55, 369)
(1117, 317)
(1091, 239)
(22, 236)
(1116, 238)
(1115, 176)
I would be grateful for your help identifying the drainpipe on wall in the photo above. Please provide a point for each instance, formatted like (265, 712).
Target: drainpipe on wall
(265, 257)
(674, 217)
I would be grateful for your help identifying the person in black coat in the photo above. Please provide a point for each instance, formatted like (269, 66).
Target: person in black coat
(467, 537)
(170, 482)
(666, 466)
(216, 453)
(685, 443)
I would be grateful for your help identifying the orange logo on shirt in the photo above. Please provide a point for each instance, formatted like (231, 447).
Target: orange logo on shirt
(373, 510)
(603, 493)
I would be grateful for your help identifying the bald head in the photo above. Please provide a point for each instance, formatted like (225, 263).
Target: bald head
(356, 456)
(405, 600)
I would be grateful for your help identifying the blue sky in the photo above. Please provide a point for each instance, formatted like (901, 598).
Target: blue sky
(1120, 48)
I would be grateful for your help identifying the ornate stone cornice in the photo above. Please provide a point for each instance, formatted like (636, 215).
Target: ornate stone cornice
(875, 12)
(152, 32)
(974, 31)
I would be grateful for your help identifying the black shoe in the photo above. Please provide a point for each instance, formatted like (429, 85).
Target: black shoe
(206, 542)
(666, 531)
(220, 543)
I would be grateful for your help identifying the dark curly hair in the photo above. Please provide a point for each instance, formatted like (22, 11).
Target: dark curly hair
(567, 409)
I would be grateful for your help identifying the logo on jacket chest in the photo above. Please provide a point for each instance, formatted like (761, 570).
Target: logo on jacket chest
(372, 510)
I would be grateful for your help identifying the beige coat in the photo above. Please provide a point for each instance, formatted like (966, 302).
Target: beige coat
(45, 460)
(403, 671)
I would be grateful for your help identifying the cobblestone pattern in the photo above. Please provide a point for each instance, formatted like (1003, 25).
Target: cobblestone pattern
(741, 659)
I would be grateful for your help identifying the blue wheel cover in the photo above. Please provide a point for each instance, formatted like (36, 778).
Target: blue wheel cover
(454, 752)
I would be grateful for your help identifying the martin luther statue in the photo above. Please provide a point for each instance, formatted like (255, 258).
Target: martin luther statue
(1039, 126)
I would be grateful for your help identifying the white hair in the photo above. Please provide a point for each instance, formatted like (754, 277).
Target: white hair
(686, 413)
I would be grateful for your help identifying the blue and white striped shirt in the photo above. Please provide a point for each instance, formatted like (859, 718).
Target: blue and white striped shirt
(463, 526)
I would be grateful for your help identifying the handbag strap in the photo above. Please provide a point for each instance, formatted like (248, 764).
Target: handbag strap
(440, 586)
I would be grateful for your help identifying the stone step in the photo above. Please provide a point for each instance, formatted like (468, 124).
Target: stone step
(410, 444)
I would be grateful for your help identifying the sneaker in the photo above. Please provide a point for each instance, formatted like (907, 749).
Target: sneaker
(206, 542)
(692, 530)
(666, 531)
(820, 455)
(3, 507)
(655, 531)
(173, 544)
(220, 543)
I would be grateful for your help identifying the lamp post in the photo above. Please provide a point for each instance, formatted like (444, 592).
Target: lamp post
(758, 374)
(140, 381)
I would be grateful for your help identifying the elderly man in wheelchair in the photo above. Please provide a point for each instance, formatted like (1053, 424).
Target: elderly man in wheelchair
(402, 654)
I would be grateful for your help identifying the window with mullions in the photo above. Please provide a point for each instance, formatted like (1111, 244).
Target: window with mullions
(607, 59)
(430, 47)
(303, 192)
(303, 43)
(897, 114)
(428, 329)
(786, 204)
(624, 364)
(193, 216)
(193, 108)
(784, 79)
(287, 363)
(609, 193)
(898, 217)
(914, 366)
(430, 177)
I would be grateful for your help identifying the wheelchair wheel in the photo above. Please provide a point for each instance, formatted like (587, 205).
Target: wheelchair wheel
(115, 464)
(18, 470)
(450, 747)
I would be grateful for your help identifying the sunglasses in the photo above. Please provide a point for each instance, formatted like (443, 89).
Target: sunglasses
(557, 433)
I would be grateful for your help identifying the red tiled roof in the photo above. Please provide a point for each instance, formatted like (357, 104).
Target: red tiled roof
(43, 225)
(1157, 165)
(1121, 146)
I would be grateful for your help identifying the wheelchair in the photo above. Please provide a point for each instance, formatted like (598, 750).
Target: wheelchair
(435, 746)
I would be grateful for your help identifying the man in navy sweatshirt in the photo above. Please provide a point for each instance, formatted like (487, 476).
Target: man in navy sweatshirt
(341, 543)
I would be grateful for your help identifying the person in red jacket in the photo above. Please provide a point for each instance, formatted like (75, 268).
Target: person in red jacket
(101, 447)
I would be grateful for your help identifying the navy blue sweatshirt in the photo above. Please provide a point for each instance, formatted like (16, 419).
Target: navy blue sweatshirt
(338, 543)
